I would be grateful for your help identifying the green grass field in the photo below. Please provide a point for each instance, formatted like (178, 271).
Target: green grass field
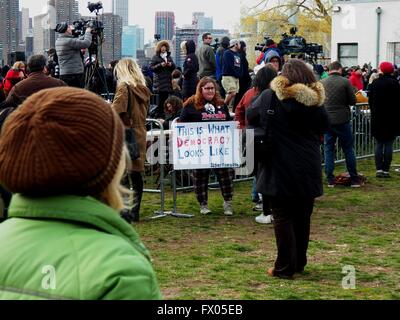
(218, 257)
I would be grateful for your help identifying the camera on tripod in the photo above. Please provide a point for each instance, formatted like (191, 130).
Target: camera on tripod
(95, 6)
(81, 25)
(294, 44)
(93, 23)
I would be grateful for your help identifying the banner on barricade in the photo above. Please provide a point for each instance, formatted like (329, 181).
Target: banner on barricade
(206, 145)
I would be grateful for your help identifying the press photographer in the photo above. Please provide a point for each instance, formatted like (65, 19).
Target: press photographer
(68, 49)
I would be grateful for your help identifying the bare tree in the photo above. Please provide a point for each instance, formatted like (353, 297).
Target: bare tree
(319, 9)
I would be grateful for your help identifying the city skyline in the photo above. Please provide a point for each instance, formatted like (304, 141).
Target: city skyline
(144, 14)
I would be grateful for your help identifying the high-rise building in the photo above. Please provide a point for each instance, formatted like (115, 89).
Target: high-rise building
(20, 27)
(41, 34)
(192, 33)
(141, 58)
(24, 24)
(28, 46)
(202, 22)
(165, 24)
(132, 40)
(9, 33)
(121, 8)
(112, 47)
(66, 10)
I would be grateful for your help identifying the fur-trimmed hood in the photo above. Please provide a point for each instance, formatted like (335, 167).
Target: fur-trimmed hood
(310, 95)
(163, 43)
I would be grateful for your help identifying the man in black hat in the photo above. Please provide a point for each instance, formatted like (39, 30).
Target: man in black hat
(69, 54)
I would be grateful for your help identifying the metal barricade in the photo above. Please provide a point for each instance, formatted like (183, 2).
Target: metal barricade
(364, 146)
(157, 156)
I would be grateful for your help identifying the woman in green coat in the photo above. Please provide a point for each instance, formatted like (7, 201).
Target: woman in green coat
(61, 155)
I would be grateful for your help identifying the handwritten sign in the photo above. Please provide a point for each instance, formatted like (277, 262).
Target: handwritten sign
(206, 145)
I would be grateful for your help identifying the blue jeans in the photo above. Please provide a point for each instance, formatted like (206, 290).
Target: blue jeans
(254, 194)
(383, 155)
(344, 133)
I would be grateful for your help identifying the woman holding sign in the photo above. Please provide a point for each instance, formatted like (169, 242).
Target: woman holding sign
(207, 105)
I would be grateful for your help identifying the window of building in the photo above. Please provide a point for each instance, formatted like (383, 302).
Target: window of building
(348, 54)
(393, 53)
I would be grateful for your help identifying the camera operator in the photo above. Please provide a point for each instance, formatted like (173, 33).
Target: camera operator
(69, 54)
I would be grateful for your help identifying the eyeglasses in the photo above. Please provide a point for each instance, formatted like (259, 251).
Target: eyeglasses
(209, 88)
(209, 38)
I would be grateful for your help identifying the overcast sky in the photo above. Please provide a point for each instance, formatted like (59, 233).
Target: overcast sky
(226, 13)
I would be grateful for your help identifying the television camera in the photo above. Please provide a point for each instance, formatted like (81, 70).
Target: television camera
(215, 45)
(293, 44)
(95, 79)
(262, 46)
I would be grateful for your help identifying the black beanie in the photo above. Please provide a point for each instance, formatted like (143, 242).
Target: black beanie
(62, 27)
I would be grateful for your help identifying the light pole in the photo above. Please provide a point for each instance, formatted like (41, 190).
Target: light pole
(378, 33)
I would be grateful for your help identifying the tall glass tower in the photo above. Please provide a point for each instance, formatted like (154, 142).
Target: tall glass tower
(121, 8)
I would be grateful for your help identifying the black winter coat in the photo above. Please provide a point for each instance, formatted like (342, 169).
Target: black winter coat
(190, 70)
(162, 79)
(293, 168)
(384, 101)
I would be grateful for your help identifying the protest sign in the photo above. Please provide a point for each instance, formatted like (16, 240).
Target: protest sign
(206, 145)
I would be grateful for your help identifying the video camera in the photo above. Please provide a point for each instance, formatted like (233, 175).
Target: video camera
(293, 44)
(216, 45)
(262, 46)
(93, 23)
(95, 6)
(81, 25)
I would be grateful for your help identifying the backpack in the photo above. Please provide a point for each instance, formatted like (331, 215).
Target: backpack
(344, 179)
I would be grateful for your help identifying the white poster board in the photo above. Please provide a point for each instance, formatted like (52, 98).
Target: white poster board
(206, 145)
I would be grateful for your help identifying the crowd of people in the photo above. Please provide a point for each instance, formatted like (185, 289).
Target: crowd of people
(64, 167)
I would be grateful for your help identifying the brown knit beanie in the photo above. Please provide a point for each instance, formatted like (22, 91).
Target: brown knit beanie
(60, 141)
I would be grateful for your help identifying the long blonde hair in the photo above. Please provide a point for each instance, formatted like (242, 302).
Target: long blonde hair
(19, 65)
(128, 71)
(114, 193)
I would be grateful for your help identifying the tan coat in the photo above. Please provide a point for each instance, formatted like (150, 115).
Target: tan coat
(140, 99)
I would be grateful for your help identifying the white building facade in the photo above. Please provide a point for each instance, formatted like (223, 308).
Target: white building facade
(366, 31)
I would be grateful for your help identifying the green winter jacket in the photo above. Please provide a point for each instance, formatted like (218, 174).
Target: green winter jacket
(71, 247)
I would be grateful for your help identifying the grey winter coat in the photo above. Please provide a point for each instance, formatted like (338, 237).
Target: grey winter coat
(340, 96)
(69, 53)
(207, 63)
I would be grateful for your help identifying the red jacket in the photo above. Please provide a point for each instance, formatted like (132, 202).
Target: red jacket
(240, 111)
(11, 79)
(356, 81)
